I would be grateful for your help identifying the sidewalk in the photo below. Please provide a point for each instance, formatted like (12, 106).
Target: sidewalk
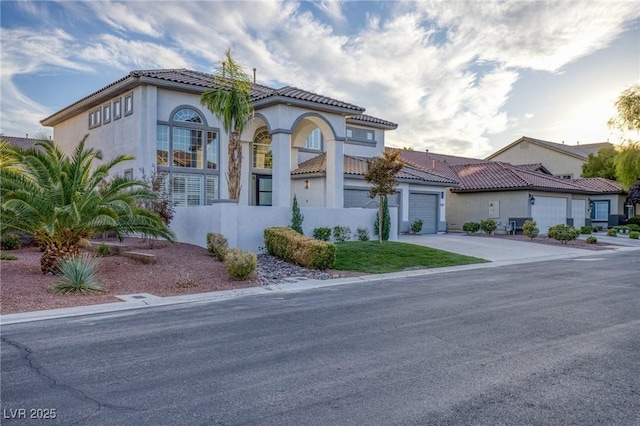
(500, 252)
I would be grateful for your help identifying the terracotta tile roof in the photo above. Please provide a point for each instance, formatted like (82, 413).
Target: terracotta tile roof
(496, 176)
(20, 142)
(369, 119)
(358, 166)
(434, 163)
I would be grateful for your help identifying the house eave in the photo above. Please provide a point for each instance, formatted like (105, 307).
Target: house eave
(280, 100)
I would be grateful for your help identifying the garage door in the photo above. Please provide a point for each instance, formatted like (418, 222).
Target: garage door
(578, 212)
(360, 198)
(549, 211)
(425, 207)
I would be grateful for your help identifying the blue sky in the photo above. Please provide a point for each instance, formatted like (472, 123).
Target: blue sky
(459, 77)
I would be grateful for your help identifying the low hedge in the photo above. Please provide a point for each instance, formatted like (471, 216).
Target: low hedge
(287, 244)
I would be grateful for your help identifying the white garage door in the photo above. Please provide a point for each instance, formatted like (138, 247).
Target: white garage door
(549, 211)
(425, 207)
(578, 212)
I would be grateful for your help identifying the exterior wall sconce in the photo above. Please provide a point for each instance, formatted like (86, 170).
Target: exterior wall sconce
(590, 204)
(532, 199)
(306, 184)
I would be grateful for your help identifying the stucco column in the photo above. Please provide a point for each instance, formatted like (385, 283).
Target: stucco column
(335, 174)
(281, 173)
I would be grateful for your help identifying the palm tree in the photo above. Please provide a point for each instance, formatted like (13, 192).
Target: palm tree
(230, 102)
(60, 199)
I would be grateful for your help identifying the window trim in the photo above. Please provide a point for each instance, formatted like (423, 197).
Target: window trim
(350, 131)
(594, 210)
(106, 113)
(95, 117)
(128, 105)
(117, 114)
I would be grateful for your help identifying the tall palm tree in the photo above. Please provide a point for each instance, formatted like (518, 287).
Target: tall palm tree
(230, 101)
(60, 199)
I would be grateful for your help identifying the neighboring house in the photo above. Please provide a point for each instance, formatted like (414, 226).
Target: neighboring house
(564, 161)
(20, 142)
(504, 192)
(156, 115)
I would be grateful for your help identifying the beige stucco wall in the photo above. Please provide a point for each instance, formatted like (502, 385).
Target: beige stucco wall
(556, 162)
(474, 207)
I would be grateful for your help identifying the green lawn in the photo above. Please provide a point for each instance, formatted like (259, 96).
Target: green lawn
(391, 256)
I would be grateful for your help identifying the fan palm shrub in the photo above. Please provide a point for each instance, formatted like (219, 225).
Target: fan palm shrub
(63, 199)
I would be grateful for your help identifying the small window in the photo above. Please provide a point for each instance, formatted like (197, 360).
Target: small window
(314, 140)
(106, 114)
(128, 104)
(349, 133)
(358, 134)
(117, 109)
(94, 118)
(212, 150)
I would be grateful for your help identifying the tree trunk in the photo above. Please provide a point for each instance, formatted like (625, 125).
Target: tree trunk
(380, 219)
(235, 163)
(53, 254)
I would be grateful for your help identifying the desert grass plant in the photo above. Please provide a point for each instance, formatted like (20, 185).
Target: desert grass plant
(103, 250)
(240, 264)
(217, 245)
(5, 256)
(530, 229)
(363, 234)
(185, 280)
(79, 274)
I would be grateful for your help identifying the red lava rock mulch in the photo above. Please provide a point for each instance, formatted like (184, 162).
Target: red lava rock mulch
(179, 269)
(579, 244)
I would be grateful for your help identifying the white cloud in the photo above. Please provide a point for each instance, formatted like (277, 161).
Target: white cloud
(123, 19)
(333, 9)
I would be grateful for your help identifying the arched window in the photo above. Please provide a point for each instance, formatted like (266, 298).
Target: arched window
(187, 152)
(187, 115)
(314, 140)
(262, 155)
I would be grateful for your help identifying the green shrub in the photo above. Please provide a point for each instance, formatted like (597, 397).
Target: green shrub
(586, 230)
(217, 245)
(634, 235)
(287, 244)
(597, 228)
(240, 264)
(530, 229)
(103, 250)
(10, 242)
(363, 234)
(633, 227)
(296, 216)
(563, 233)
(5, 256)
(79, 274)
(591, 240)
(322, 233)
(416, 226)
(635, 220)
(621, 229)
(341, 233)
(386, 221)
(471, 227)
(612, 232)
(488, 225)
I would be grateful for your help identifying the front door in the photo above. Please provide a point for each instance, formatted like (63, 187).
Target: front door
(263, 190)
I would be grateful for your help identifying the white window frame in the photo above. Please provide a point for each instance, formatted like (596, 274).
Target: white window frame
(117, 109)
(128, 104)
(106, 114)
(95, 118)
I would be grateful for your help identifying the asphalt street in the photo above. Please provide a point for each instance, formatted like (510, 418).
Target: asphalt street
(554, 342)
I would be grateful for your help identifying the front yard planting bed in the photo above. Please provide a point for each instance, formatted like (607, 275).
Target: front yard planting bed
(391, 256)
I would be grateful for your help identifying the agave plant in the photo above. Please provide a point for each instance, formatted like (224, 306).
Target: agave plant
(61, 200)
(79, 274)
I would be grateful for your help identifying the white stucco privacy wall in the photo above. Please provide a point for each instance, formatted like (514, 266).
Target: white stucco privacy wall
(243, 226)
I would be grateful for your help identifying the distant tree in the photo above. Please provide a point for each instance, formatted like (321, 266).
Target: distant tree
(601, 164)
(627, 161)
(230, 101)
(634, 192)
(381, 174)
(627, 121)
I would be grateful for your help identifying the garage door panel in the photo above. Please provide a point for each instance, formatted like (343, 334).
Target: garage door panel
(425, 207)
(361, 198)
(549, 211)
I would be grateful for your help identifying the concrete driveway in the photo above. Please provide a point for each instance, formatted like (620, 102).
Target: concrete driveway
(495, 249)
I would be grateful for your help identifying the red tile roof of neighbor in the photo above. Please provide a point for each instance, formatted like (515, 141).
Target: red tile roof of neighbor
(476, 175)
(358, 166)
(20, 142)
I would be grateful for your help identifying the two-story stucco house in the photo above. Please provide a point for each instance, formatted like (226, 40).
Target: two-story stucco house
(298, 143)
